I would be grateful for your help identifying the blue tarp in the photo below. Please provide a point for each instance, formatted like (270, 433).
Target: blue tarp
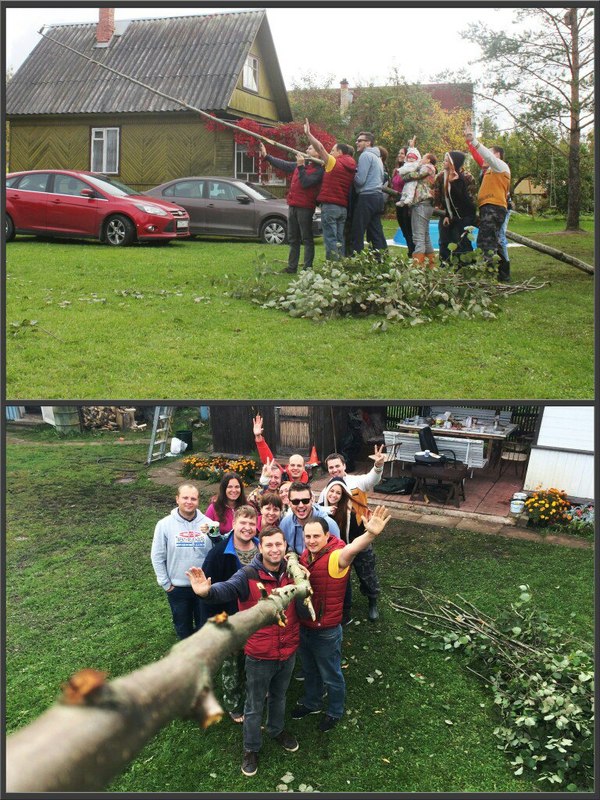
(433, 233)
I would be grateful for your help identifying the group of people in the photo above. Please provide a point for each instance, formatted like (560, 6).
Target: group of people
(352, 188)
(203, 572)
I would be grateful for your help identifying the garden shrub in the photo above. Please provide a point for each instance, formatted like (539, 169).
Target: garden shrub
(213, 469)
(547, 507)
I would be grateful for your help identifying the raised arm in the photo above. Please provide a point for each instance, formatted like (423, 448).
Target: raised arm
(373, 527)
(373, 477)
(222, 592)
(319, 147)
(264, 451)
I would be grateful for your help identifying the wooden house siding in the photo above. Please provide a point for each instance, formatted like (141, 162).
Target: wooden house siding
(261, 104)
(151, 151)
(56, 97)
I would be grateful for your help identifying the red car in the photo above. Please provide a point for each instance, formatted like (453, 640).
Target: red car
(73, 204)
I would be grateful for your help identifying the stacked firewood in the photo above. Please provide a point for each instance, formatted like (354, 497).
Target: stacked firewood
(110, 418)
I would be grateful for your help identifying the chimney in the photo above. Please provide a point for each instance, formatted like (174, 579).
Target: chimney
(345, 97)
(106, 27)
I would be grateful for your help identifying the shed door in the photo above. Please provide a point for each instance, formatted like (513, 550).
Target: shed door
(292, 430)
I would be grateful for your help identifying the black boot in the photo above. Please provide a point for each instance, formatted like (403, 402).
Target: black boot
(373, 612)
(504, 271)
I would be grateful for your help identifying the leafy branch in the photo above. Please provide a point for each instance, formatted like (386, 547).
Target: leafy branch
(542, 680)
(392, 288)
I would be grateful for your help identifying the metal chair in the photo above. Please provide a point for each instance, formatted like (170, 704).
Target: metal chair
(448, 473)
(516, 453)
(427, 442)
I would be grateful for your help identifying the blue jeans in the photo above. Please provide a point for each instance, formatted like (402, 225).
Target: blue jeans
(188, 610)
(502, 237)
(261, 677)
(321, 654)
(333, 218)
(300, 232)
(366, 218)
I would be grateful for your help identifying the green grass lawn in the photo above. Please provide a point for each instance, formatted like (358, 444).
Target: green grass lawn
(155, 322)
(81, 593)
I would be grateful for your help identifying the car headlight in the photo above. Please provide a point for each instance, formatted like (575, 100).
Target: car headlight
(150, 209)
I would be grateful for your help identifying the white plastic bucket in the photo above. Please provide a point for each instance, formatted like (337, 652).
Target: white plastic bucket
(516, 506)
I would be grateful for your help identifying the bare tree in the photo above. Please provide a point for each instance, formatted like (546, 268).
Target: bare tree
(96, 728)
(544, 75)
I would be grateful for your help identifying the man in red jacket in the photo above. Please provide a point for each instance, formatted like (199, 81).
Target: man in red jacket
(302, 201)
(294, 470)
(270, 652)
(328, 561)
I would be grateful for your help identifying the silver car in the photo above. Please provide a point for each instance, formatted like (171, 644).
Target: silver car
(230, 207)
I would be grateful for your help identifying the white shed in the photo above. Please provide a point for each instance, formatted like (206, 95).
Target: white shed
(562, 455)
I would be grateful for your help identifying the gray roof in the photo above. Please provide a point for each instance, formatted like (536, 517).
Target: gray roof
(198, 59)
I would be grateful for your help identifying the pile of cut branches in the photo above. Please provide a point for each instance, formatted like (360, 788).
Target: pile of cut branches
(542, 681)
(392, 287)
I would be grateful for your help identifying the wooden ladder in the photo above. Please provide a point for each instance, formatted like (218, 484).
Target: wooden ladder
(161, 429)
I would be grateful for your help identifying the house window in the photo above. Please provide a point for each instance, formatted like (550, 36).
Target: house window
(250, 74)
(105, 150)
(246, 168)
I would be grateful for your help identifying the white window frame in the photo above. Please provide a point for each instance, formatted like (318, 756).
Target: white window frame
(101, 135)
(250, 74)
(240, 153)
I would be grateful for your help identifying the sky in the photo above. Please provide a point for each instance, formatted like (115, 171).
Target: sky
(362, 44)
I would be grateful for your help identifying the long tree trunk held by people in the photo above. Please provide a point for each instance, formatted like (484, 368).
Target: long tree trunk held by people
(96, 728)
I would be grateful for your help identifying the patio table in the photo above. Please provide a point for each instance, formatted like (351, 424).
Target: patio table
(493, 436)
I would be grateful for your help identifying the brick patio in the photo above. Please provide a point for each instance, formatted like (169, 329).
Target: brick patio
(487, 502)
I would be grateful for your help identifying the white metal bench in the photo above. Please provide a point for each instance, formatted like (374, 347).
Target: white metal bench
(405, 445)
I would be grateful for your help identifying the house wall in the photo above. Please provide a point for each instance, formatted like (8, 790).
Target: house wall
(563, 454)
(153, 149)
(249, 104)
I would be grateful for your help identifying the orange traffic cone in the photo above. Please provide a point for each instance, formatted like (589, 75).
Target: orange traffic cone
(313, 459)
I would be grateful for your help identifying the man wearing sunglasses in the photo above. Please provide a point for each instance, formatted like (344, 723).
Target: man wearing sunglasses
(292, 525)
(370, 200)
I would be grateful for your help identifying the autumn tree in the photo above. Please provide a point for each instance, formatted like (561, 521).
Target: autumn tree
(537, 156)
(394, 113)
(542, 75)
(319, 102)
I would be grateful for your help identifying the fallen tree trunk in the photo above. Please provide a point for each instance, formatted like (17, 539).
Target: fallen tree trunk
(96, 728)
(551, 251)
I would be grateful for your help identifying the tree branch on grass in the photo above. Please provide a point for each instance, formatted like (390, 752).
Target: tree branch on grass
(551, 251)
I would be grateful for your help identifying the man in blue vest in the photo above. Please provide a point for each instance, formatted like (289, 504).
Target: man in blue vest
(238, 549)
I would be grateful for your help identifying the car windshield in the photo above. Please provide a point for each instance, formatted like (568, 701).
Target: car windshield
(258, 192)
(111, 186)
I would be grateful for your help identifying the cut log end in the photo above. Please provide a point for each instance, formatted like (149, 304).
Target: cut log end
(207, 710)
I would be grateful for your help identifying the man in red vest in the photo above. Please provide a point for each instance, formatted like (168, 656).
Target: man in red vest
(270, 652)
(302, 201)
(334, 196)
(328, 561)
